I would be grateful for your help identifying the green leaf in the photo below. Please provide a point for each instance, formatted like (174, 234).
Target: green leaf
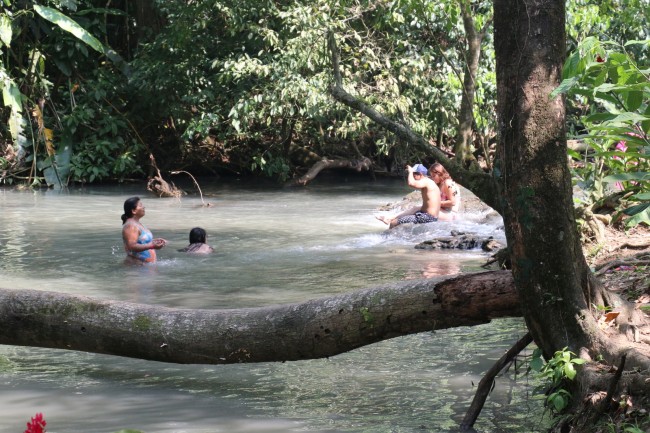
(536, 364)
(71, 26)
(638, 209)
(5, 29)
(644, 42)
(606, 87)
(11, 95)
(558, 401)
(566, 85)
(645, 125)
(634, 100)
(600, 117)
(571, 66)
(630, 118)
(624, 177)
(569, 371)
(641, 217)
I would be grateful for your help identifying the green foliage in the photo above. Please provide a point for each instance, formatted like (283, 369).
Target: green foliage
(69, 25)
(271, 166)
(260, 72)
(556, 373)
(38, 54)
(613, 88)
(103, 141)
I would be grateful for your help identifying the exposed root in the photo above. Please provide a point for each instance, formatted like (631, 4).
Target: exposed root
(640, 259)
(485, 386)
(160, 186)
(204, 204)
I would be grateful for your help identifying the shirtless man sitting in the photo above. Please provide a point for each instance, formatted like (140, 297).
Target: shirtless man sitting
(417, 178)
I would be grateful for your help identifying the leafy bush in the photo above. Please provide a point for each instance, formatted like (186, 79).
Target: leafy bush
(556, 372)
(612, 89)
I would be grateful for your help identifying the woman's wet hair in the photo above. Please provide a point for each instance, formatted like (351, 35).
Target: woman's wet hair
(197, 235)
(129, 205)
(437, 167)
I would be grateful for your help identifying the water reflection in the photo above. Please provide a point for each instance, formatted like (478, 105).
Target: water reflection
(268, 251)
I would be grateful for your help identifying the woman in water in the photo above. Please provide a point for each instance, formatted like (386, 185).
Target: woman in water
(449, 192)
(139, 243)
(198, 238)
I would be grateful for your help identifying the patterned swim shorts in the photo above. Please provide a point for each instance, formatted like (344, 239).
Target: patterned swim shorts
(418, 218)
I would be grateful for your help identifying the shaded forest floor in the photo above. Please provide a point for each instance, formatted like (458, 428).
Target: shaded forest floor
(622, 262)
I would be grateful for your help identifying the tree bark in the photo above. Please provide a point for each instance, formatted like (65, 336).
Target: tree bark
(323, 164)
(313, 329)
(462, 147)
(556, 287)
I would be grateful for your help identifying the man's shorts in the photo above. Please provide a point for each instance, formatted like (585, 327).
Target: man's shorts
(418, 217)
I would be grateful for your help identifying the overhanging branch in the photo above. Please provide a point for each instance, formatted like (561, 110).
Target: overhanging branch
(481, 184)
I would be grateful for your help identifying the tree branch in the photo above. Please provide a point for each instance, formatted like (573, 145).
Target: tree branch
(481, 184)
(312, 329)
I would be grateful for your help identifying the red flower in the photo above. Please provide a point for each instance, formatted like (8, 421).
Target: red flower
(599, 59)
(37, 424)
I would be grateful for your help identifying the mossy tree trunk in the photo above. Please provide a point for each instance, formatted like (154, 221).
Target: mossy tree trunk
(556, 286)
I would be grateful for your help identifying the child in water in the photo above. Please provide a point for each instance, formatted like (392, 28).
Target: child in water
(198, 245)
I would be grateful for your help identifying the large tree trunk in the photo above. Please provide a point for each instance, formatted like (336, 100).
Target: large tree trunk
(534, 176)
(313, 329)
(555, 284)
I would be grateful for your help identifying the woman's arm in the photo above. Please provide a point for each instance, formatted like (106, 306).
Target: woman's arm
(130, 234)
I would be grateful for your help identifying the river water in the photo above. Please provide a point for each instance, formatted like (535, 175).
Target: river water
(273, 245)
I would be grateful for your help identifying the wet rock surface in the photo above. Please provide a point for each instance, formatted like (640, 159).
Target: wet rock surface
(462, 241)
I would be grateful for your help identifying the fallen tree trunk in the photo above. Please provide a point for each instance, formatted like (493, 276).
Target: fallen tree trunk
(353, 164)
(312, 329)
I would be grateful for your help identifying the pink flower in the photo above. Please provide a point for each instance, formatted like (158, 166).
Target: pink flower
(36, 425)
(621, 146)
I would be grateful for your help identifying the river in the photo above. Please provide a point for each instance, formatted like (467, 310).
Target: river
(273, 245)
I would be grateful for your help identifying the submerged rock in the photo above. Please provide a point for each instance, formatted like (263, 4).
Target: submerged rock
(461, 241)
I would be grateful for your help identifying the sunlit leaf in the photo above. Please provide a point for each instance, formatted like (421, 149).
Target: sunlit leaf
(11, 95)
(5, 29)
(645, 42)
(640, 217)
(69, 25)
(564, 86)
(49, 143)
(569, 371)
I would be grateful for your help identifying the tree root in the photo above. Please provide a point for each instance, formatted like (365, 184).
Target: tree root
(486, 383)
(607, 391)
(160, 186)
(639, 259)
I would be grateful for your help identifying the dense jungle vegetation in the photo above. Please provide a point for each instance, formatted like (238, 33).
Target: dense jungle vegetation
(96, 91)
